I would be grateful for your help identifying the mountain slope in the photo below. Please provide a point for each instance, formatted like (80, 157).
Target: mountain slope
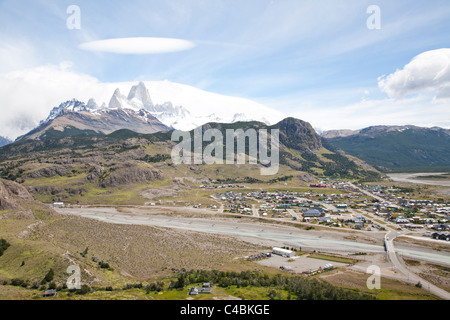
(119, 167)
(396, 147)
(4, 141)
(75, 118)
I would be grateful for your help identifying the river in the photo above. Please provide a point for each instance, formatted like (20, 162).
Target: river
(413, 178)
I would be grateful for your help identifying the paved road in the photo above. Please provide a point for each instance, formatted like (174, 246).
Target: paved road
(398, 264)
(294, 214)
(370, 194)
(255, 211)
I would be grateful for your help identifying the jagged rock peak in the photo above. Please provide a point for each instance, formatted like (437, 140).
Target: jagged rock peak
(141, 93)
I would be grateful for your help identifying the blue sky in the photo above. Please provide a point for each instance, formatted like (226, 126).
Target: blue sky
(315, 60)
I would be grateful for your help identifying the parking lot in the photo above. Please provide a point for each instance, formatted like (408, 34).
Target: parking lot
(299, 265)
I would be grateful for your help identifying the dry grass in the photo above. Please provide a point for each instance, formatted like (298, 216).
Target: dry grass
(390, 289)
(138, 252)
(436, 274)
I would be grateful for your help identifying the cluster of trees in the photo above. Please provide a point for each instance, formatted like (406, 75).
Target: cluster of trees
(46, 283)
(104, 265)
(236, 181)
(156, 158)
(302, 288)
(296, 163)
(11, 171)
(122, 148)
(48, 277)
(3, 246)
(281, 179)
(340, 167)
(156, 286)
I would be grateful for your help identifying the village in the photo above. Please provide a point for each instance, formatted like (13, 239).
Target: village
(344, 205)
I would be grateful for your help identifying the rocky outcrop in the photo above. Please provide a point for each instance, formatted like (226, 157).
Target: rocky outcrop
(129, 174)
(12, 198)
(12, 194)
(48, 172)
(299, 135)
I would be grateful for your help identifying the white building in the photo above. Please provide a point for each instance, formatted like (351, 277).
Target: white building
(283, 252)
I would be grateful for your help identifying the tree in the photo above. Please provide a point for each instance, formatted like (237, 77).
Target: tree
(84, 289)
(84, 253)
(3, 246)
(48, 277)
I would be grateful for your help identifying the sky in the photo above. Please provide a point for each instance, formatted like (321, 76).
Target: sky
(337, 64)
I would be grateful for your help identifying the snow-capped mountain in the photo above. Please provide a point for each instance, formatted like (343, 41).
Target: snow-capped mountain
(184, 107)
(170, 106)
(78, 117)
(70, 106)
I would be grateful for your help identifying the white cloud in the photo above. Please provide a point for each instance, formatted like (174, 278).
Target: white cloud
(27, 95)
(409, 111)
(140, 45)
(429, 71)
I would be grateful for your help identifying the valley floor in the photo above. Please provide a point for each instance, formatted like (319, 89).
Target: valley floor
(367, 247)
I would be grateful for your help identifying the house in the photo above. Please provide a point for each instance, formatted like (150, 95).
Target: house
(313, 213)
(359, 225)
(206, 288)
(441, 236)
(50, 293)
(440, 227)
(193, 291)
(326, 219)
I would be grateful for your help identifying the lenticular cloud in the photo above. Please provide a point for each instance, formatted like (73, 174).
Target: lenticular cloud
(427, 71)
(138, 45)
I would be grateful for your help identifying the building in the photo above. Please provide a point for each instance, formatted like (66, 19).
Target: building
(441, 236)
(313, 213)
(283, 252)
(359, 225)
(50, 293)
(207, 287)
(402, 221)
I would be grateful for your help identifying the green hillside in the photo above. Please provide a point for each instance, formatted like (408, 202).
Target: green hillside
(409, 149)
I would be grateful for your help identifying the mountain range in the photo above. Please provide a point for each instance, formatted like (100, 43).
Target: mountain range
(138, 112)
(394, 148)
(386, 148)
(94, 167)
